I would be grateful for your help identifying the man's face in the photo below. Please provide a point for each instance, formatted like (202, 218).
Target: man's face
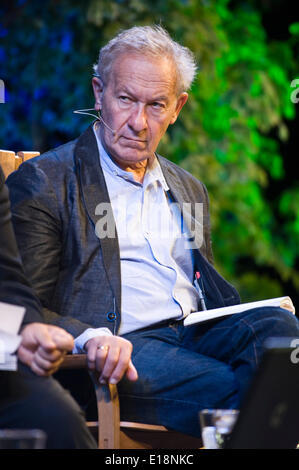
(139, 101)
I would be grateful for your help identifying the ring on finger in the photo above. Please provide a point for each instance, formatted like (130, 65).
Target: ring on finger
(103, 348)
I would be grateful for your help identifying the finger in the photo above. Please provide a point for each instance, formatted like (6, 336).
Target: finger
(91, 354)
(131, 372)
(51, 356)
(102, 352)
(43, 338)
(62, 339)
(46, 365)
(121, 366)
(36, 334)
(111, 361)
(42, 372)
(39, 370)
(25, 355)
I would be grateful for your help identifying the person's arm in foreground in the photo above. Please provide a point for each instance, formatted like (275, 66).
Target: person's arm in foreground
(42, 347)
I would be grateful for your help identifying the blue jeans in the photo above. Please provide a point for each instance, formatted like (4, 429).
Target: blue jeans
(210, 365)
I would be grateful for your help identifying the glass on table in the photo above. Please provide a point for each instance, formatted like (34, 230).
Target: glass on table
(216, 426)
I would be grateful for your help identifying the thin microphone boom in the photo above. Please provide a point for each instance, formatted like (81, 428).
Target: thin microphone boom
(97, 116)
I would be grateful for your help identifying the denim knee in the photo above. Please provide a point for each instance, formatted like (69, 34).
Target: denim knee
(271, 321)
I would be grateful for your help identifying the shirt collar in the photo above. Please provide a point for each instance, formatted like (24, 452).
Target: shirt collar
(153, 171)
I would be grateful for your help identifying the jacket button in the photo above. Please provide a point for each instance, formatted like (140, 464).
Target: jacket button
(111, 316)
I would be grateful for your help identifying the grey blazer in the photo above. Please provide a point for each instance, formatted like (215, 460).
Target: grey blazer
(74, 273)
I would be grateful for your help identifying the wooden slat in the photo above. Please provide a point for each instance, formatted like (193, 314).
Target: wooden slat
(129, 441)
(109, 415)
(74, 361)
(7, 162)
(10, 162)
(142, 426)
(153, 439)
(27, 155)
(18, 161)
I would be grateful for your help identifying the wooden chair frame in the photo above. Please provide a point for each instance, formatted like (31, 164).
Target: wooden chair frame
(115, 434)
(11, 161)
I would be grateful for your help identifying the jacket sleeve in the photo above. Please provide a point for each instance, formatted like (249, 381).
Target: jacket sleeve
(14, 287)
(38, 230)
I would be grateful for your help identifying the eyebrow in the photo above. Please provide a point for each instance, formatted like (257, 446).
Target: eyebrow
(124, 89)
(161, 98)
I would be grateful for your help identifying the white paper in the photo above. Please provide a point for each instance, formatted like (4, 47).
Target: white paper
(9, 343)
(10, 363)
(205, 315)
(11, 317)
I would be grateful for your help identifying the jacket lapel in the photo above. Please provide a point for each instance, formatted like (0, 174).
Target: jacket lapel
(192, 213)
(94, 192)
(218, 292)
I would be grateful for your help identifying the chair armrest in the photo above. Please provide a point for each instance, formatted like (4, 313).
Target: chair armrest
(74, 361)
(107, 404)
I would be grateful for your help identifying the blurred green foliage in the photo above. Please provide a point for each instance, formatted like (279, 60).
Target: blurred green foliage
(228, 134)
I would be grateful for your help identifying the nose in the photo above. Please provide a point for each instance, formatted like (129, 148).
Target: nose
(138, 118)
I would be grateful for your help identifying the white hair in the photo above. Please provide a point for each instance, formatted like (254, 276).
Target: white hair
(153, 41)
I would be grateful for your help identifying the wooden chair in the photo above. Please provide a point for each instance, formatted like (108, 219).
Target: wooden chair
(10, 161)
(115, 434)
(110, 431)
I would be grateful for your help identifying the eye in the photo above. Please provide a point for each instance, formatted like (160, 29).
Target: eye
(158, 106)
(124, 99)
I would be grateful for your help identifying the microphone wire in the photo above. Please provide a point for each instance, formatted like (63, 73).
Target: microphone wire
(97, 116)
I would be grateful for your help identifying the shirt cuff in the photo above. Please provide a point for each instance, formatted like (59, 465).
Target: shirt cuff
(81, 340)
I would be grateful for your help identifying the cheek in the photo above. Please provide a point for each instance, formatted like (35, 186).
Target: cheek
(159, 128)
(119, 118)
(109, 108)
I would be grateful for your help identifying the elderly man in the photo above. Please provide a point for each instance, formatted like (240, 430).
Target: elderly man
(29, 398)
(90, 218)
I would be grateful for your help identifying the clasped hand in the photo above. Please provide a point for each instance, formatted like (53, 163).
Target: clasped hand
(43, 347)
(111, 357)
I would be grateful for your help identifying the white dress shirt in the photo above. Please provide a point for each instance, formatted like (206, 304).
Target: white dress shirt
(156, 261)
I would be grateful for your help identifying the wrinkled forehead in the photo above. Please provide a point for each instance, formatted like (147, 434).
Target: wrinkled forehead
(143, 70)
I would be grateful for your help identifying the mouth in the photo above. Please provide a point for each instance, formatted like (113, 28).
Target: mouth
(134, 143)
(134, 140)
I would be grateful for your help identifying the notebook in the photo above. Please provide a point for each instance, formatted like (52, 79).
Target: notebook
(205, 315)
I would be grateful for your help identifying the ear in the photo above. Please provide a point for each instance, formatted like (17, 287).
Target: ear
(180, 103)
(98, 88)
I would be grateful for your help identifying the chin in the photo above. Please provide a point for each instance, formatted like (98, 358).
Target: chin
(133, 156)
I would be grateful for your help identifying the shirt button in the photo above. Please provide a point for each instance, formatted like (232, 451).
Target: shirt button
(111, 316)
